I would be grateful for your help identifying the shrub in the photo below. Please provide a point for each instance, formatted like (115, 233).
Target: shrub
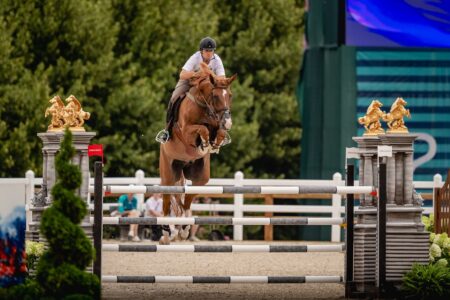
(428, 222)
(439, 248)
(427, 282)
(61, 270)
(34, 251)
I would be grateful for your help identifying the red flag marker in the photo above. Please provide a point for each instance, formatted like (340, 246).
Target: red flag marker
(95, 150)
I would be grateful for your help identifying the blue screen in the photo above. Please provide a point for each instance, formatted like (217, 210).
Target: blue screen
(398, 23)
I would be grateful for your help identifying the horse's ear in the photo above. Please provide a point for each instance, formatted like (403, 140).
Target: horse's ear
(212, 79)
(204, 67)
(232, 78)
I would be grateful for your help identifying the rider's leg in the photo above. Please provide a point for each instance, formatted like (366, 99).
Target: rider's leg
(180, 89)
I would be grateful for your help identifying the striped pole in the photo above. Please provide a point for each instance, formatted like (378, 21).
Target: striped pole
(221, 221)
(223, 248)
(295, 190)
(221, 279)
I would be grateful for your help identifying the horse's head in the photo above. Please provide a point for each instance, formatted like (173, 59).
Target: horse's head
(214, 93)
(222, 99)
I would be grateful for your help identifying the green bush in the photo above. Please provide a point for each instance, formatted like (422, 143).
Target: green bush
(440, 249)
(61, 270)
(29, 290)
(427, 282)
(34, 251)
(428, 222)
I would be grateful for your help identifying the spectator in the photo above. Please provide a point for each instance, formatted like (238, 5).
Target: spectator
(153, 208)
(128, 208)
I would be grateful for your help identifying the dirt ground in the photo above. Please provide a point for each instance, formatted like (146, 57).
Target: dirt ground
(223, 264)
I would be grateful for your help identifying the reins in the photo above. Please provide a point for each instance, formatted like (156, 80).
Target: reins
(203, 102)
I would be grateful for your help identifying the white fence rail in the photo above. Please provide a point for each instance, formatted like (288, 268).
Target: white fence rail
(334, 210)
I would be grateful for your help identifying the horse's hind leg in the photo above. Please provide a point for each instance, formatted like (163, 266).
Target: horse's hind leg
(169, 176)
(199, 174)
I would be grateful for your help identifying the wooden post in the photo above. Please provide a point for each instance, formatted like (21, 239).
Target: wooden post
(268, 229)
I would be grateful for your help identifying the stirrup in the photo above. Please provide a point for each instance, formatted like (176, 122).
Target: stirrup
(162, 136)
(226, 140)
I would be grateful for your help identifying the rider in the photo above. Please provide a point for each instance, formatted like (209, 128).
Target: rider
(205, 54)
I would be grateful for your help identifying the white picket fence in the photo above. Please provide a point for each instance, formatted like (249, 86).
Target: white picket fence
(334, 210)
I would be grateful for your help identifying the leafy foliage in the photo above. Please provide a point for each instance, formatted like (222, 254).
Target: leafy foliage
(122, 58)
(34, 251)
(427, 282)
(428, 222)
(440, 249)
(61, 269)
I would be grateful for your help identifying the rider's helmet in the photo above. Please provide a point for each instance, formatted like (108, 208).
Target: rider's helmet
(207, 43)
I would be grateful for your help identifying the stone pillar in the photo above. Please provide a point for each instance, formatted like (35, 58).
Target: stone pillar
(51, 145)
(390, 180)
(367, 165)
(398, 178)
(81, 141)
(362, 198)
(408, 179)
(368, 177)
(406, 240)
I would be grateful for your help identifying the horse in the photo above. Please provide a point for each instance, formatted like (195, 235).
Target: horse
(371, 120)
(202, 119)
(394, 119)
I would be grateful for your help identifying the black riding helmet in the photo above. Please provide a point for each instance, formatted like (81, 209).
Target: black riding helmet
(207, 43)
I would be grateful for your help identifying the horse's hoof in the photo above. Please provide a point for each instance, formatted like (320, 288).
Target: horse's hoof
(203, 150)
(215, 149)
(184, 233)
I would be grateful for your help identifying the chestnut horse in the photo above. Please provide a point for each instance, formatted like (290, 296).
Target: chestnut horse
(203, 117)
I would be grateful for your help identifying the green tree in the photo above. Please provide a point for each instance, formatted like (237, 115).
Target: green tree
(61, 270)
(261, 41)
(46, 48)
(122, 58)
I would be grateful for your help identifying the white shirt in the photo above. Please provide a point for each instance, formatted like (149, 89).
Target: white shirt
(215, 64)
(154, 204)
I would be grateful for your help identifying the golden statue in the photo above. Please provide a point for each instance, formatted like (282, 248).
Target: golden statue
(57, 112)
(371, 120)
(394, 119)
(71, 115)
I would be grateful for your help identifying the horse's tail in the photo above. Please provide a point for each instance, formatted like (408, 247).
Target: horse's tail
(361, 120)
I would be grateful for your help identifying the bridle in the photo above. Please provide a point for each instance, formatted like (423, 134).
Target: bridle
(206, 103)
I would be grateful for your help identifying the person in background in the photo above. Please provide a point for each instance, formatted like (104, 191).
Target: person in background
(128, 208)
(153, 208)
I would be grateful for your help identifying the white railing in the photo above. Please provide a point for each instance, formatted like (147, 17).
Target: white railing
(334, 210)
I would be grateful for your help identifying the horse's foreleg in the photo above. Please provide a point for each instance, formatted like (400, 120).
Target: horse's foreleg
(221, 133)
(191, 132)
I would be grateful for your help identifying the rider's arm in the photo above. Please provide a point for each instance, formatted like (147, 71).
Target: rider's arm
(219, 70)
(184, 75)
